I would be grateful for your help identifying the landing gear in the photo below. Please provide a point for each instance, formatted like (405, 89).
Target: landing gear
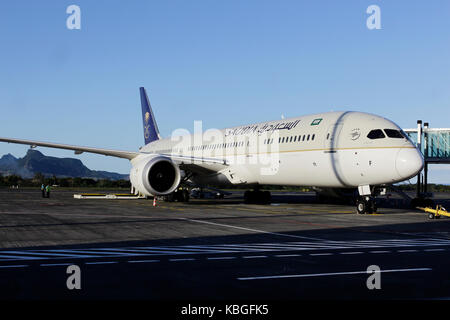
(366, 204)
(180, 195)
(257, 197)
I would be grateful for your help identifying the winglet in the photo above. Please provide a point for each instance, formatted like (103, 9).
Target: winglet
(151, 132)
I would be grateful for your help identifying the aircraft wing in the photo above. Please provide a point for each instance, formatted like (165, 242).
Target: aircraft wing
(78, 149)
(180, 160)
(194, 160)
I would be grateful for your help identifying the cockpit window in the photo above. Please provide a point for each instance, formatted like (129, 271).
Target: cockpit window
(392, 133)
(405, 135)
(376, 134)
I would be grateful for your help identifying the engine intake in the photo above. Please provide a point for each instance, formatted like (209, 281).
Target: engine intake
(155, 175)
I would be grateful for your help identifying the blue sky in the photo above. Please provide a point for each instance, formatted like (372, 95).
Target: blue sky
(223, 62)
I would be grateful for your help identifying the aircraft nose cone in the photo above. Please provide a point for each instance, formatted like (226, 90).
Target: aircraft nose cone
(409, 162)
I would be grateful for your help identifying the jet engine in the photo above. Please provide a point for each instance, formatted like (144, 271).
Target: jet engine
(154, 175)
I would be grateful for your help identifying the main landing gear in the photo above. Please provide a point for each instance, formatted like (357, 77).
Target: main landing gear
(257, 197)
(180, 195)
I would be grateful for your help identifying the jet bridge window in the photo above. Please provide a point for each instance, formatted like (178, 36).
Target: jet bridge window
(376, 134)
(392, 133)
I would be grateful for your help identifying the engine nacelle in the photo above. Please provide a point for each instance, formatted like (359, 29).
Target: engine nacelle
(154, 175)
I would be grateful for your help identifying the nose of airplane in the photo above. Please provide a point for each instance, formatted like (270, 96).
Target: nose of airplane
(409, 162)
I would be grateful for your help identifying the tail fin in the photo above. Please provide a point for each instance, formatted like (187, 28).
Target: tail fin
(151, 132)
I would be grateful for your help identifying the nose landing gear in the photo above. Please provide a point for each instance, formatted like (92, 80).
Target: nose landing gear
(366, 204)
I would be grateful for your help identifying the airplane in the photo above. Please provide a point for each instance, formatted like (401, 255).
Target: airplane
(345, 149)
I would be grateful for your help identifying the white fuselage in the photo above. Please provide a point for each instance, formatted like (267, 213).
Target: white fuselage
(324, 150)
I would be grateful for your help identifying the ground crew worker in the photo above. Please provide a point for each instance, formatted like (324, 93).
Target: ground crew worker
(47, 191)
(43, 190)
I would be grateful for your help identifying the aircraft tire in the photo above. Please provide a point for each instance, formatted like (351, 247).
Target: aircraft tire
(361, 207)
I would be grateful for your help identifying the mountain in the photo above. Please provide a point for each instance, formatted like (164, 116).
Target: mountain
(36, 162)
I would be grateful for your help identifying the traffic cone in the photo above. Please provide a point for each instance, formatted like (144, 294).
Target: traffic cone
(154, 201)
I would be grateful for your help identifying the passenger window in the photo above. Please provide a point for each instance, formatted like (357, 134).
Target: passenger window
(303, 138)
(376, 134)
(391, 133)
(290, 140)
(313, 136)
(308, 138)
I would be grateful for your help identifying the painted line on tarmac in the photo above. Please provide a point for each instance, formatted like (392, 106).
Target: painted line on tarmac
(186, 259)
(143, 261)
(310, 275)
(15, 266)
(287, 255)
(220, 258)
(101, 262)
(352, 252)
(252, 230)
(270, 249)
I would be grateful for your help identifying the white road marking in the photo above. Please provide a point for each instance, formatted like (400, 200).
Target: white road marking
(45, 253)
(286, 248)
(287, 255)
(252, 230)
(55, 264)
(101, 262)
(16, 257)
(143, 261)
(220, 258)
(15, 266)
(330, 274)
(352, 252)
(320, 254)
(253, 257)
(187, 259)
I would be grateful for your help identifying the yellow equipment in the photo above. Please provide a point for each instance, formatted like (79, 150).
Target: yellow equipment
(436, 213)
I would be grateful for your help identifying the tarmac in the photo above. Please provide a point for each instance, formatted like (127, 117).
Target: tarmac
(218, 250)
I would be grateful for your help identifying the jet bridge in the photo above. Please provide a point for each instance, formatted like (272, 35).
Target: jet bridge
(435, 146)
